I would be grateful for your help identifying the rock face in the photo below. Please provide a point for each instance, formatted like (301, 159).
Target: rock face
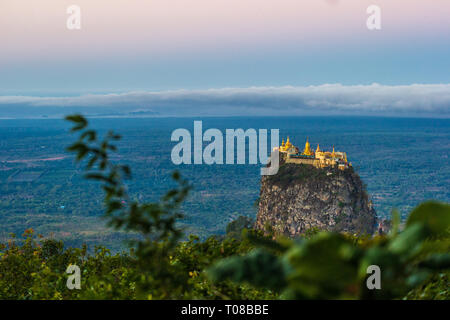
(302, 197)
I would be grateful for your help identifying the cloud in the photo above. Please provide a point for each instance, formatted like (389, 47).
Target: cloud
(416, 99)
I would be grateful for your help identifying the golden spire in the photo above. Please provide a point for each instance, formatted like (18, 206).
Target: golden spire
(282, 143)
(307, 151)
(333, 154)
(288, 143)
(318, 148)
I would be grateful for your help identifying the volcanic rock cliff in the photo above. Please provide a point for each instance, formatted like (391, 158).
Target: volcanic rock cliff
(302, 197)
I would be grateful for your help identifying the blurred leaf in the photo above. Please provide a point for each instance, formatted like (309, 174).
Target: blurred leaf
(437, 261)
(323, 266)
(395, 221)
(259, 268)
(79, 120)
(409, 241)
(434, 215)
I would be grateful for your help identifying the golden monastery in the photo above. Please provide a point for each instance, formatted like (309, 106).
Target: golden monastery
(318, 158)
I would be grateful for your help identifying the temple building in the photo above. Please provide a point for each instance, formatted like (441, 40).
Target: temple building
(288, 147)
(317, 158)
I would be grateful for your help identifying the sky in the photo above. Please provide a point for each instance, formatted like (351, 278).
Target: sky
(168, 45)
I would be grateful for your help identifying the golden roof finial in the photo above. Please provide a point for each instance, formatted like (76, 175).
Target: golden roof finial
(307, 151)
(288, 143)
(318, 148)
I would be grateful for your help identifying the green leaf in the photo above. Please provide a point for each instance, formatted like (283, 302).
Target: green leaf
(437, 262)
(79, 120)
(323, 266)
(410, 240)
(434, 215)
(113, 206)
(91, 135)
(259, 268)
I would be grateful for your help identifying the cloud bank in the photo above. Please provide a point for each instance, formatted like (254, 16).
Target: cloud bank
(428, 100)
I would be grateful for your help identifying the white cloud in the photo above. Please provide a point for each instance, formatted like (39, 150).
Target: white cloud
(376, 99)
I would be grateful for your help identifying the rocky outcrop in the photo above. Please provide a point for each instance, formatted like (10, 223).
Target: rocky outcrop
(301, 197)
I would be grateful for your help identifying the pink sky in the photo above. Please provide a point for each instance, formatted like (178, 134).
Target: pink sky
(35, 30)
(127, 45)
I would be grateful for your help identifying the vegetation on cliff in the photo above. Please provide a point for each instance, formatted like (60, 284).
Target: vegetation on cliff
(297, 173)
(414, 261)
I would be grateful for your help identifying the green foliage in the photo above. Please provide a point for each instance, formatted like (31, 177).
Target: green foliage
(435, 288)
(32, 268)
(252, 268)
(243, 265)
(236, 227)
(437, 223)
(289, 173)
